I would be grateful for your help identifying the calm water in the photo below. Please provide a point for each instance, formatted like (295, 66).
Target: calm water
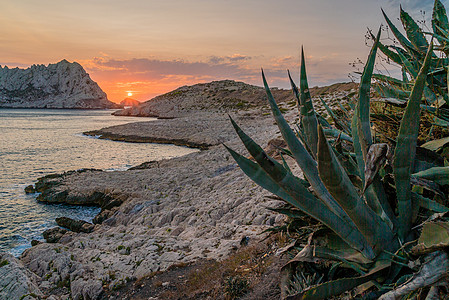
(34, 143)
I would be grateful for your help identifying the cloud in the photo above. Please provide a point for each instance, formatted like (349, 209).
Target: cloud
(228, 58)
(145, 68)
(148, 77)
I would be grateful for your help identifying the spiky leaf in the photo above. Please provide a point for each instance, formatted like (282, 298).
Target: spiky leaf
(342, 189)
(305, 200)
(414, 33)
(439, 175)
(405, 150)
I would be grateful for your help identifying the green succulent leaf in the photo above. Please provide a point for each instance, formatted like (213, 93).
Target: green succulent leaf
(363, 109)
(434, 236)
(440, 23)
(259, 176)
(399, 36)
(436, 145)
(388, 91)
(439, 175)
(304, 200)
(391, 80)
(308, 118)
(335, 133)
(338, 122)
(302, 156)
(421, 201)
(340, 186)
(414, 32)
(405, 150)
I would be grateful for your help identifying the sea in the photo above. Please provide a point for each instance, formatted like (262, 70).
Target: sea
(38, 142)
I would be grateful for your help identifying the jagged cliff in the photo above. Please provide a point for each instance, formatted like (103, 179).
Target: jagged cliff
(60, 85)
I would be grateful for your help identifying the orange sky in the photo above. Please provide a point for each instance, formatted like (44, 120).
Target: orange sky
(149, 47)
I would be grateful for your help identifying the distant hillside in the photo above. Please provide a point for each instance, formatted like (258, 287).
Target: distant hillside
(60, 85)
(129, 102)
(219, 96)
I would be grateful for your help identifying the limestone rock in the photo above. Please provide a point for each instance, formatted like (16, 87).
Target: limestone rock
(75, 225)
(86, 289)
(60, 85)
(53, 235)
(16, 282)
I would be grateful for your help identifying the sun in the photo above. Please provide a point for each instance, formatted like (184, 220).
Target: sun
(130, 94)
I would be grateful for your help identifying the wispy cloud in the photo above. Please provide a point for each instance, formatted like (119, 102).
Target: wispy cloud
(148, 77)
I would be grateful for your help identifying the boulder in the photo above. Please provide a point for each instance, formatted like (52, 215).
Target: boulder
(75, 225)
(53, 235)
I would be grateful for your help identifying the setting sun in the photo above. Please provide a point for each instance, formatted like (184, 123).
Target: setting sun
(130, 94)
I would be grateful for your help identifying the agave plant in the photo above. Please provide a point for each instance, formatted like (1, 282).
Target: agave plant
(366, 228)
(409, 55)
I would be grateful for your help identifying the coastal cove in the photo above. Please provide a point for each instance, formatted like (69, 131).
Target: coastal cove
(179, 211)
(38, 142)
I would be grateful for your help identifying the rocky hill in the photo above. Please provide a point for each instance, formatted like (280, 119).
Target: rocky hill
(60, 85)
(129, 102)
(218, 96)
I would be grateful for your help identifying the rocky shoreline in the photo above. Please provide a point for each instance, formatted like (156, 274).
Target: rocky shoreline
(197, 207)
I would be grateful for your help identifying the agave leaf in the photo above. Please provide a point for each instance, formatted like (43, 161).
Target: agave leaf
(434, 236)
(414, 32)
(440, 23)
(436, 145)
(284, 163)
(337, 287)
(302, 157)
(388, 91)
(428, 185)
(323, 122)
(356, 145)
(399, 36)
(302, 136)
(390, 54)
(439, 175)
(404, 75)
(411, 69)
(363, 109)
(304, 200)
(335, 133)
(427, 203)
(339, 123)
(390, 80)
(308, 117)
(259, 176)
(340, 186)
(405, 150)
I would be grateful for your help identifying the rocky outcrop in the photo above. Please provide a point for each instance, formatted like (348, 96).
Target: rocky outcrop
(17, 282)
(53, 235)
(129, 102)
(75, 225)
(60, 85)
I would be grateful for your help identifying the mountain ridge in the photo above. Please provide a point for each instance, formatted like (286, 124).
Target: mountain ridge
(59, 85)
